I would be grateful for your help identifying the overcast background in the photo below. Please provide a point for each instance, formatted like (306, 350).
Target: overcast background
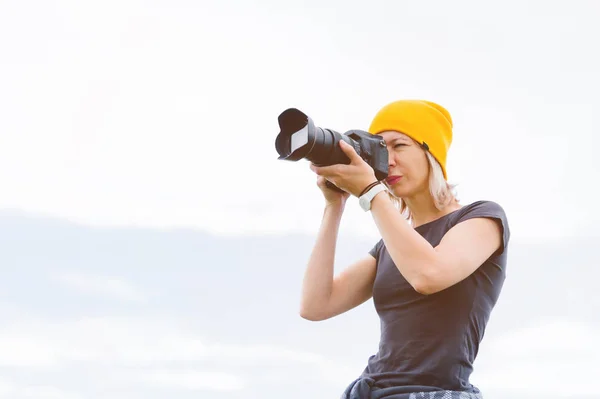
(152, 245)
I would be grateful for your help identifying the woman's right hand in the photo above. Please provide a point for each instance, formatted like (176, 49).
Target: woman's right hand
(332, 197)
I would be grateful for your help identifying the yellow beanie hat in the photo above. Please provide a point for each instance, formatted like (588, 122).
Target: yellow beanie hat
(426, 122)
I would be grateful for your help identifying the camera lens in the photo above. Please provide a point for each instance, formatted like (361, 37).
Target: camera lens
(300, 138)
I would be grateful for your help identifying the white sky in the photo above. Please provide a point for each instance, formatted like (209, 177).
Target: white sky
(164, 113)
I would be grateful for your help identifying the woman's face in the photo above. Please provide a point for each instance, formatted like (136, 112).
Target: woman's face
(408, 173)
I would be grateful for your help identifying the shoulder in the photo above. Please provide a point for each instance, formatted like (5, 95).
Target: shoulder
(482, 208)
(485, 209)
(375, 250)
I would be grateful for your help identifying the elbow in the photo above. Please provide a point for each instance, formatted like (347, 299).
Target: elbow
(311, 316)
(429, 279)
(423, 288)
(424, 285)
(306, 314)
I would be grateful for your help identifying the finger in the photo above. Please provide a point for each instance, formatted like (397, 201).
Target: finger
(327, 171)
(350, 152)
(317, 169)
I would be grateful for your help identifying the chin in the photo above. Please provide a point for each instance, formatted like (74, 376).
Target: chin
(404, 191)
(399, 192)
(407, 189)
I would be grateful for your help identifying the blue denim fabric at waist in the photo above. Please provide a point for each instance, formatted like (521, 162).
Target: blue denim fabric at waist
(363, 388)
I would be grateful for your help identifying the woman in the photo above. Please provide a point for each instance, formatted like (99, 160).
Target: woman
(434, 276)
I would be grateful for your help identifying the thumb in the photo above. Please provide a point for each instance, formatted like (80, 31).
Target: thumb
(349, 151)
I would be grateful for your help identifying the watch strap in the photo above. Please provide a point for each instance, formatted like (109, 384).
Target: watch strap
(366, 198)
(370, 186)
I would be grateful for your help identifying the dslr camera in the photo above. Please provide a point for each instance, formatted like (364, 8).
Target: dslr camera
(299, 138)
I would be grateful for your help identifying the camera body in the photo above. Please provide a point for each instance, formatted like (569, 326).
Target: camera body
(299, 138)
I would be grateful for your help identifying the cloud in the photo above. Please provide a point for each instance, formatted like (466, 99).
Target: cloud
(158, 351)
(193, 380)
(543, 360)
(100, 340)
(110, 287)
(6, 387)
(25, 348)
(12, 390)
(327, 369)
(562, 338)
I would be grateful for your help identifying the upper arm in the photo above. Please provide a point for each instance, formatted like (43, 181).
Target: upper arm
(352, 287)
(462, 250)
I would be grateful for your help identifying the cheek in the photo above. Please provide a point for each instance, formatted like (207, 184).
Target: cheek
(414, 166)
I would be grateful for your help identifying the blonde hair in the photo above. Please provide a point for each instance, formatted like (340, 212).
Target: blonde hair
(442, 192)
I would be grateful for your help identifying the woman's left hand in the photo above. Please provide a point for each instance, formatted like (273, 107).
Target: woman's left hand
(352, 178)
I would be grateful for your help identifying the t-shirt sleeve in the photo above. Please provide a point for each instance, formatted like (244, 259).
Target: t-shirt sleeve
(374, 252)
(490, 209)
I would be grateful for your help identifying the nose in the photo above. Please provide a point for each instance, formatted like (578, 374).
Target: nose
(391, 160)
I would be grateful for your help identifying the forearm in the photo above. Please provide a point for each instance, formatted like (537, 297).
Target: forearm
(414, 256)
(318, 277)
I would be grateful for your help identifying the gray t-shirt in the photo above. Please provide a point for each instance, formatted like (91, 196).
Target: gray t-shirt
(429, 342)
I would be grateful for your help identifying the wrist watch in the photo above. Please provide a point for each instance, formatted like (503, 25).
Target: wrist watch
(366, 198)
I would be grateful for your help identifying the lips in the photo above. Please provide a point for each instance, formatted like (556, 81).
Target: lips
(391, 180)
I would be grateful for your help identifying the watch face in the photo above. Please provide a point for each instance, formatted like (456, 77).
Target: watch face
(364, 203)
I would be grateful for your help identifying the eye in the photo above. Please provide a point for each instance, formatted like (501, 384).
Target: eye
(400, 145)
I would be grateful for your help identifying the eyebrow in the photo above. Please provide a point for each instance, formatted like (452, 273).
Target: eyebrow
(395, 140)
